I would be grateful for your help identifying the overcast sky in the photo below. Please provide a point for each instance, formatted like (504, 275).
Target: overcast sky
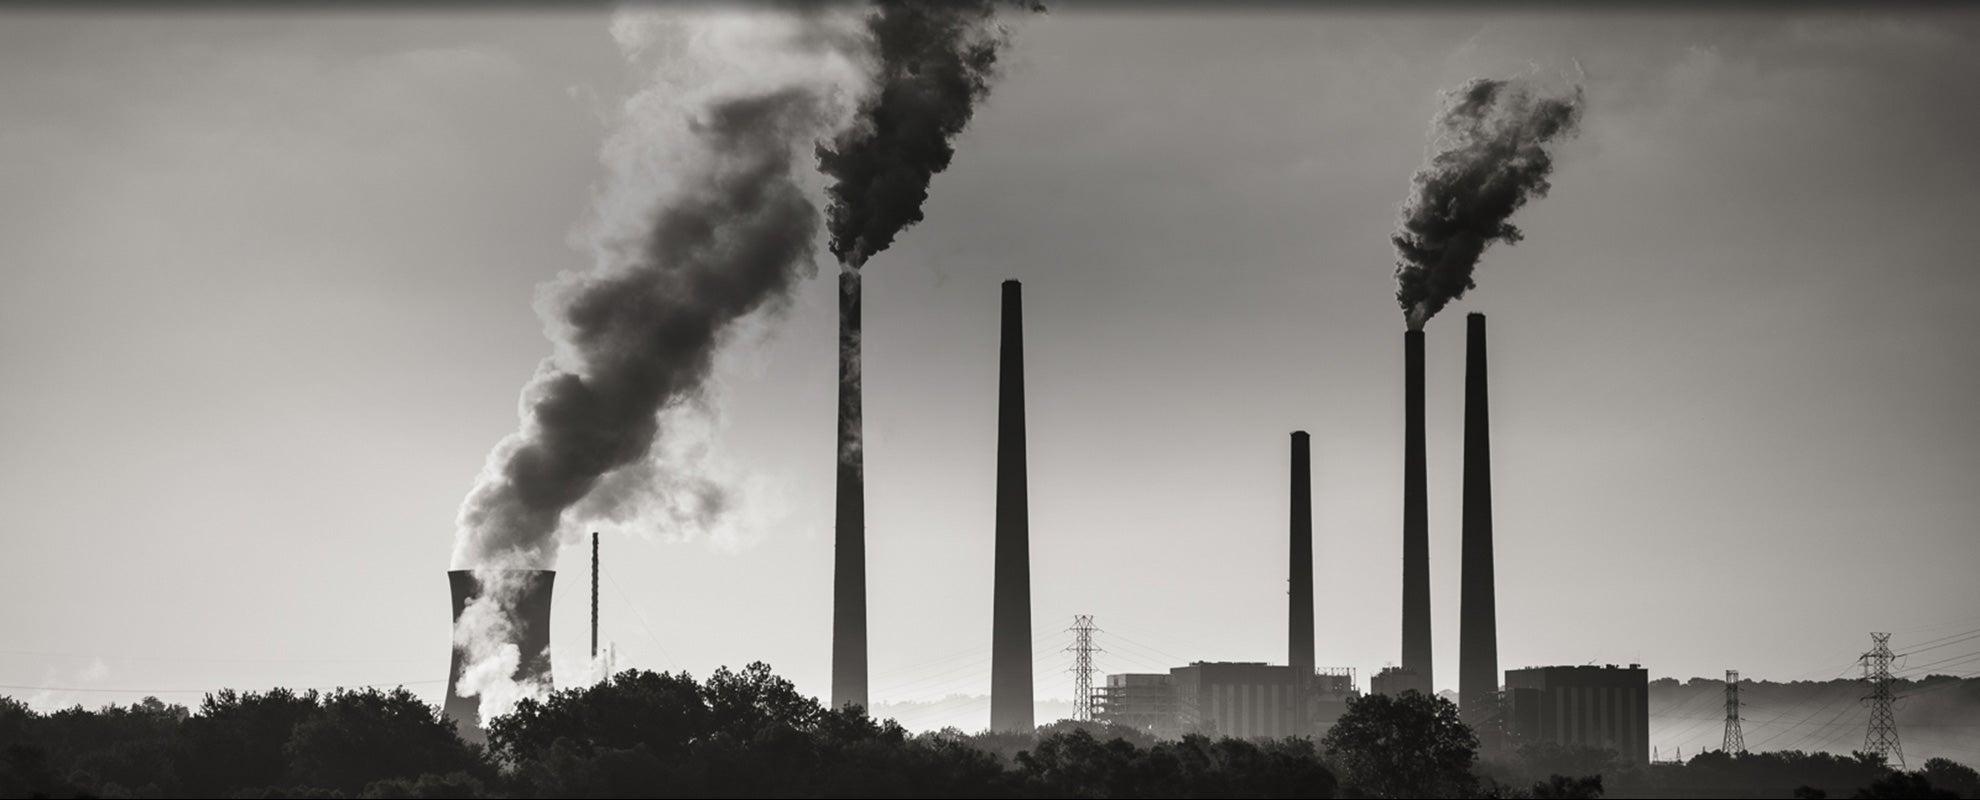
(266, 288)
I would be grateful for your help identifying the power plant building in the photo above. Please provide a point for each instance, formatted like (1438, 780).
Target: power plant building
(1244, 700)
(1606, 707)
(1144, 701)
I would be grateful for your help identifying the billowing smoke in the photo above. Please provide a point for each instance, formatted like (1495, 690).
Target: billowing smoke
(933, 62)
(703, 221)
(1492, 143)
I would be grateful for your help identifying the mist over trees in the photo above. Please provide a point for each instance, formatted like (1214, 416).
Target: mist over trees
(749, 732)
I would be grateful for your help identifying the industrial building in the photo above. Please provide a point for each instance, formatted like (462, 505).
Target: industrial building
(1240, 699)
(1606, 707)
(1393, 681)
(1144, 701)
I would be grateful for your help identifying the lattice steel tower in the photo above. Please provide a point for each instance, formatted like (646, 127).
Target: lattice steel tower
(1735, 741)
(1882, 736)
(1082, 649)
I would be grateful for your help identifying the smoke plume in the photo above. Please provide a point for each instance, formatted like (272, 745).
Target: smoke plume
(1492, 143)
(932, 63)
(702, 223)
(935, 62)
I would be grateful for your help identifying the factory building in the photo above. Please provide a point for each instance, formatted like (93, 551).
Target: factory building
(1245, 700)
(1393, 681)
(1144, 701)
(1606, 707)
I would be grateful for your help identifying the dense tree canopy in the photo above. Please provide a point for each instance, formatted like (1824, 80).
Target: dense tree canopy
(1407, 745)
(749, 732)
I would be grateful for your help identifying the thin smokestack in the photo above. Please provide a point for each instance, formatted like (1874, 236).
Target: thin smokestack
(1416, 521)
(594, 595)
(512, 608)
(1010, 644)
(849, 542)
(1478, 626)
(1299, 609)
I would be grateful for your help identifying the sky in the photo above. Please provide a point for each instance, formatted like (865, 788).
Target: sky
(267, 287)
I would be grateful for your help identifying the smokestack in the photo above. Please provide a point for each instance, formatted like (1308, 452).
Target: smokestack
(849, 542)
(1416, 522)
(1478, 626)
(527, 615)
(1299, 609)
(594, 595)
(1010, 644)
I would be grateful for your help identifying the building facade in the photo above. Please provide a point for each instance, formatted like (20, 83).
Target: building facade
(1144, 701)
(1606, 707)
(1245, 700)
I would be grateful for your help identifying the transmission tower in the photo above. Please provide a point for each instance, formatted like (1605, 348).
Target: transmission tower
(1882, 736)
(1735, 741)
(1082, 649)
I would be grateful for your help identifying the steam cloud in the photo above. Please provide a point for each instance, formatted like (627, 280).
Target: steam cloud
(1492, 139)
(703, 221)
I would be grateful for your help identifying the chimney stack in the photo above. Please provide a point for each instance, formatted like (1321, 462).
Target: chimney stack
(1478, 626)
(1299, 609)
(529, 617)
(849, 539)
(1416, 524)
(1010, 644)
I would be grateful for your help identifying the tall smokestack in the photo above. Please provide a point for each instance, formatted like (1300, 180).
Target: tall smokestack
(1416, 522)
(1478, 626)
(1010, 643)
(594, 595)
(849, 541)
(1299, 609)
(524, 613)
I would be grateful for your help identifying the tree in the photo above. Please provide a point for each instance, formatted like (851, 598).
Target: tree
(1411, 745)
(1562, 787)
(1951, 775)
(367, 736)
(237, 741)
(1905, 784)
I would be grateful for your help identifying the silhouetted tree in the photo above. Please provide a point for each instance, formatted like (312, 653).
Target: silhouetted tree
(1952, 776)
(1904, 784)
(1562, 787)
(239, 741)
(1408, 745)
(361, 737)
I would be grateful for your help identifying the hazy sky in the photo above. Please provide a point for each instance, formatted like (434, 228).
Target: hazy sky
(266, 289)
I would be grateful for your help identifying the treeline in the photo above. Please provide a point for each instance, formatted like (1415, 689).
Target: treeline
(750, 733)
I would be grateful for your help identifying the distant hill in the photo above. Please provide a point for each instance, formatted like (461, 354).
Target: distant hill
(1938, 716)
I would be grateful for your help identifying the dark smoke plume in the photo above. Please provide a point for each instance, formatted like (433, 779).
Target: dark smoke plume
(1492, 141)
(731, 235)
(935, 62)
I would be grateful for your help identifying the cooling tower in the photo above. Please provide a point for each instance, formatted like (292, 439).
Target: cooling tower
(1299, 592)
(1416, 523)
(849, 538)
(1010, 642)
(1478, 626)
(528, 616)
